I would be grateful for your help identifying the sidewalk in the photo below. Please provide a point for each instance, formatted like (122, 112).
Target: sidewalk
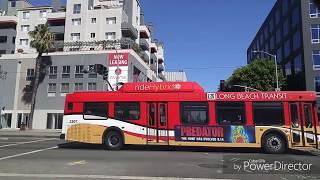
(46, 133)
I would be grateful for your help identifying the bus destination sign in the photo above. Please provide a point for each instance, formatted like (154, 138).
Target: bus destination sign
(226, 134)
(247, 96)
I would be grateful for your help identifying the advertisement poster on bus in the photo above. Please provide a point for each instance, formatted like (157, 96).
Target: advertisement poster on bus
(118, 68)
(225, 134)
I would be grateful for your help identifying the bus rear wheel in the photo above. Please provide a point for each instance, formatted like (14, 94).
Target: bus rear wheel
(113, 140)
(274, 144)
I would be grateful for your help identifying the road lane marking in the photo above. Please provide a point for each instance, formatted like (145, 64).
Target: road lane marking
(26, 153)
(28, 142)
(99, 177)
(77, 163)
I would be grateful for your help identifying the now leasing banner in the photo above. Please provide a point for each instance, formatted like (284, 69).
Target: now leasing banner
(226, 134)
(118, 68)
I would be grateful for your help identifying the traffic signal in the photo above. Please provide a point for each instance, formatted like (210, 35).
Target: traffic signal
(99, 68)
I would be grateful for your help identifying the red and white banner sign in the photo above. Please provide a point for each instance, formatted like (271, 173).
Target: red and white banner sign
(118, 59)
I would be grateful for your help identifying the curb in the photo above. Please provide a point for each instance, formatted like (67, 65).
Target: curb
(30, 135)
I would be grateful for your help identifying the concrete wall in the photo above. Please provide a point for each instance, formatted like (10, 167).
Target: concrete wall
(310, 73)
(9, 46)
(7, 86)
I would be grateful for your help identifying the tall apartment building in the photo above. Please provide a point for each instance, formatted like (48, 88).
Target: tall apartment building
(8, 24)
(87, 32)
(291, 31)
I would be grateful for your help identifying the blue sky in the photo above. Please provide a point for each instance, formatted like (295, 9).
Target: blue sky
(206, 38)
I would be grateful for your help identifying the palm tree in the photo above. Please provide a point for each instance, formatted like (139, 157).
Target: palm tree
(42, 41)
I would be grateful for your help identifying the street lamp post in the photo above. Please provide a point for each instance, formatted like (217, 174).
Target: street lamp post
(276, 64)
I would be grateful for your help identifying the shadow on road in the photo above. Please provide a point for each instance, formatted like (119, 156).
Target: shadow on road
(75, 145)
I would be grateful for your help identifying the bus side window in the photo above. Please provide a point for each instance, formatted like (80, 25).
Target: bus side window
(268, 113)
(194, 113)
(95, 111)
(230, 113)
(127, 111)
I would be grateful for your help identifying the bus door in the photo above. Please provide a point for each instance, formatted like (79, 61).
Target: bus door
(302, 125)
(157, 130)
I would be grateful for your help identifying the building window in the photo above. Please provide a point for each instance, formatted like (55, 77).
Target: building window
(64, 87)
(43, 14)
(316, 59)
(95, 111)
(287, 48)
(13, 40)
(296, 40)
(76, 8)
(112, 20)
(288, 69)
(54, 120)
(286, 27)
(66, 72)
(271, 25)
(272, 43)
(295, 18)
(314, 11)
(3, 39)
(93, 35)
(75, 36)
(266, 33)
(315, 33)
(127, 111)
(194, 113)
(25, 28)
(230, 113)
(277, 16)
(25, 15)
(92, 73)
(317, 83)
(268, 113)
(76, 22)
(13, 3)
(297, 64)
(2, 52)
(79, 71)
(279, 55)
(52, 88)
(93, 20)
(278, 36)
(30, 74)
(285, 6)
(110, 35)
(92, 86)
(24, 42)
(78, 87)
(53, 70)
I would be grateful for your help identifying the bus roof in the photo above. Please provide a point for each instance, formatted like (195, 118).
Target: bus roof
(184, 91)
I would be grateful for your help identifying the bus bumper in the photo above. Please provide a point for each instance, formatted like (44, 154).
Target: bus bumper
(62, 136)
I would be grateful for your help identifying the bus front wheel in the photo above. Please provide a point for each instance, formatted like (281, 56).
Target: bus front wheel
(274, 143)
(113, 140)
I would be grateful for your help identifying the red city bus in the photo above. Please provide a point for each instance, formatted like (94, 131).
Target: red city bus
(183, 114)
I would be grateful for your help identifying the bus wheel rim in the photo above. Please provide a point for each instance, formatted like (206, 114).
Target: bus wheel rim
(274, 143)
(113, 140)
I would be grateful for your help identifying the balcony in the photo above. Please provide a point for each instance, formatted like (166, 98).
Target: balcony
(154, 48)
(56, 16)
(144, 56)
(144, 32)
(56, 29)
(162, 76)
(128, 30)
(144, 44)
(160, 60)
(8, 21)
(160, 67)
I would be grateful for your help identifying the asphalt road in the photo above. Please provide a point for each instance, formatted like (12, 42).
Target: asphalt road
(49, 158)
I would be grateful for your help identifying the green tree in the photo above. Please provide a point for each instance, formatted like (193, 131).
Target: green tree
(42, 41)
(260, 74)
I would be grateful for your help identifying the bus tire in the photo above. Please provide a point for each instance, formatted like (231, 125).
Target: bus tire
(274, 143)
(113, 140)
